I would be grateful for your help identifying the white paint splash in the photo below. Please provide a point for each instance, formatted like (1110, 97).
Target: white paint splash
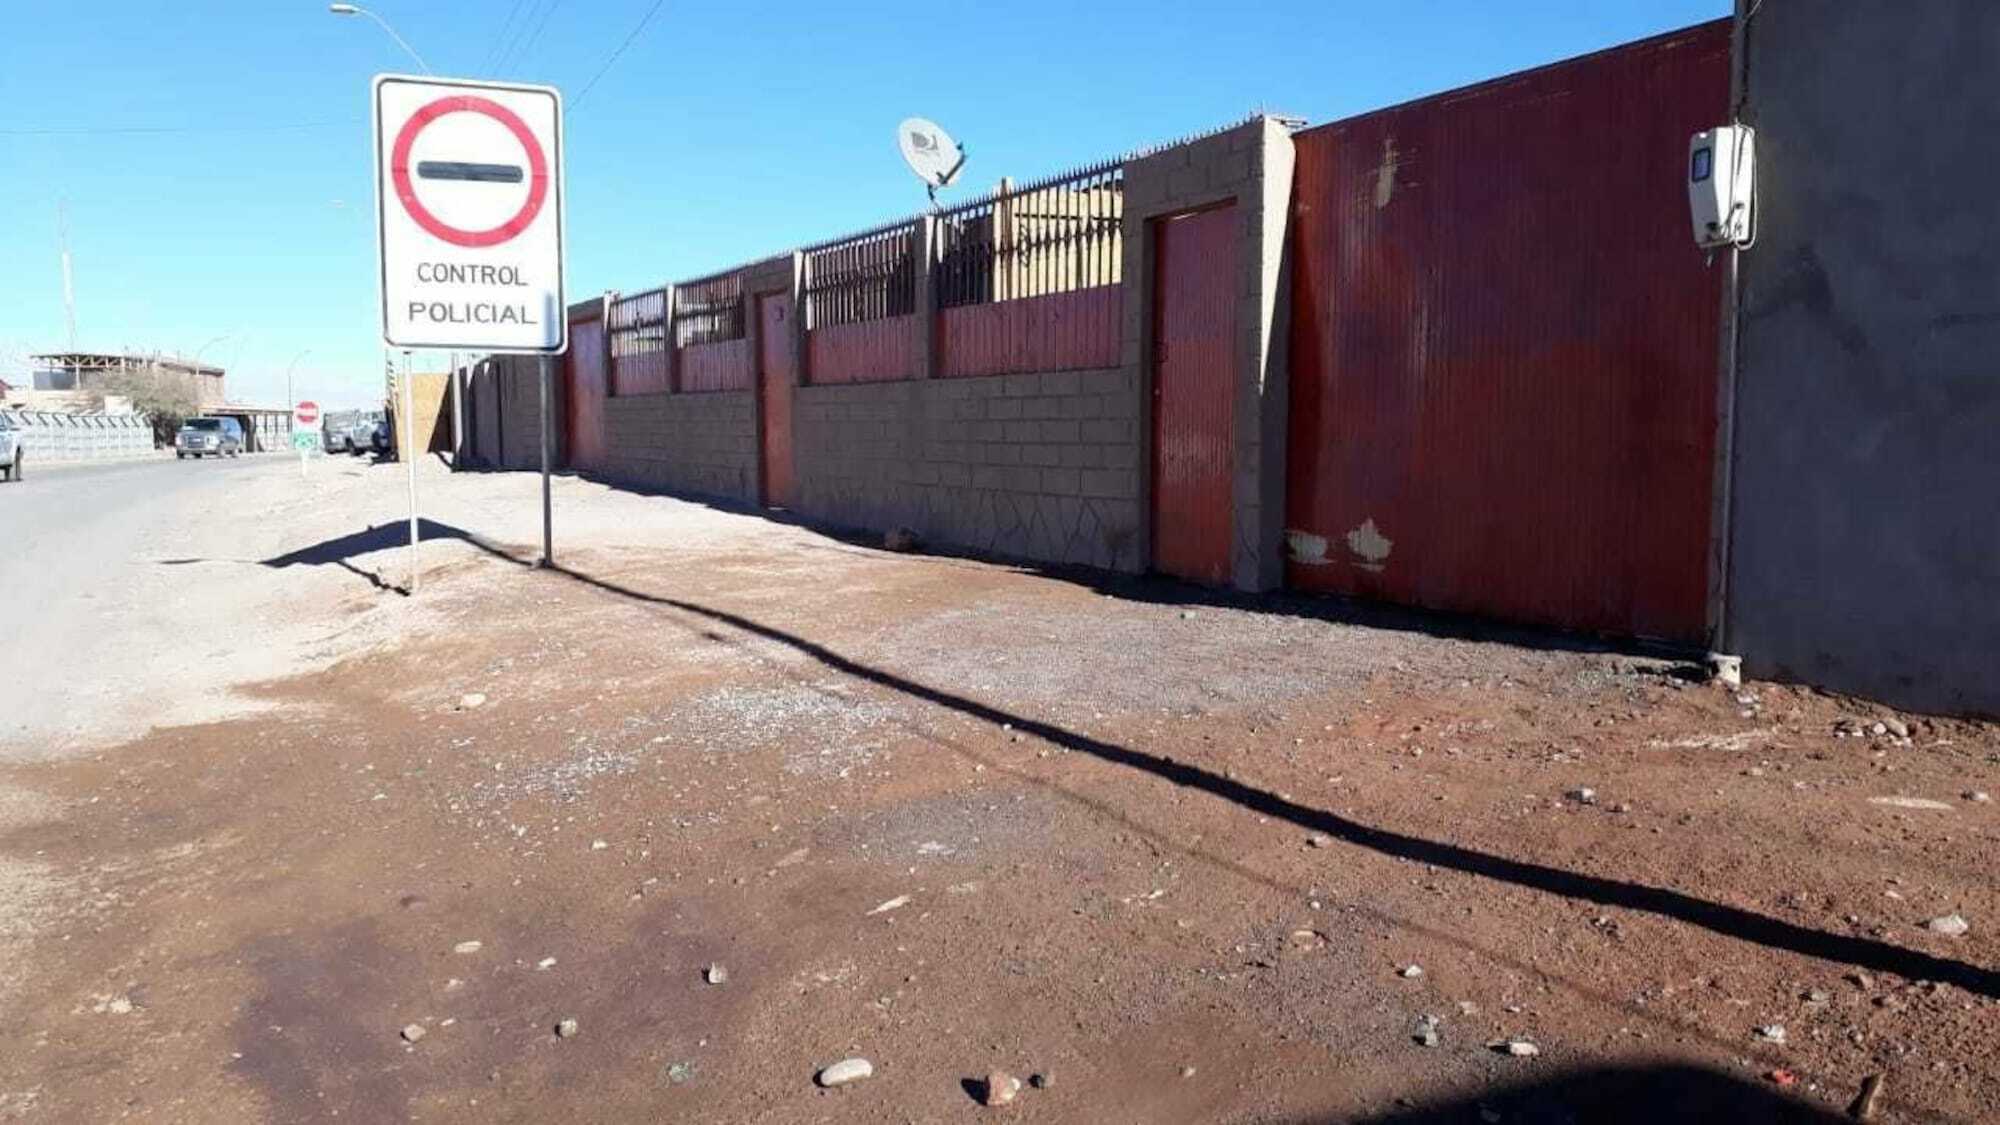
(1305, 548)
(1385, 176)
(1369, 545)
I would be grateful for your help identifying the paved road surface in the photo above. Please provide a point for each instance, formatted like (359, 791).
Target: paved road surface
(169, 553)
(79, 537)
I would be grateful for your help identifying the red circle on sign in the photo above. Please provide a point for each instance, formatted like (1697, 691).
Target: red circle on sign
(306, 412)
(538, 171)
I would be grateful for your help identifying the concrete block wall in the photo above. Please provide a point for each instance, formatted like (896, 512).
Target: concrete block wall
(700, 443)
(503, 414)
(703, 444)
(1042, 466)
(1039, 466)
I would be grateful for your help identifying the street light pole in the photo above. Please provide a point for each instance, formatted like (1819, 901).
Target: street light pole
(358, 10)
(194, 368)
(289, 400)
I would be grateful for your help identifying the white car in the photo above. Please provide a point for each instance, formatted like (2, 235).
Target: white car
(12, 455)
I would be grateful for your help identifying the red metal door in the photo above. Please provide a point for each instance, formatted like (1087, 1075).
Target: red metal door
(583, 381)
(1194, 367)
(776, 373)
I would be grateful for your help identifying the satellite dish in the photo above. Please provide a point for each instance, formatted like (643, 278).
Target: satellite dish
(930, 152)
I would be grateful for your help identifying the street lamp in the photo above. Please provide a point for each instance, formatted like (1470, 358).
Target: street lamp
(289, 400)
(358, 10)
(196, 365)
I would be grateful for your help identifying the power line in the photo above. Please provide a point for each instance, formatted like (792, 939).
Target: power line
(636, 29)
(520, 36)
(528, 47)
(531, 29)
(493, 52)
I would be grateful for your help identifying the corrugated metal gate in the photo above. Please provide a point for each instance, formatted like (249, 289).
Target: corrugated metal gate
(583, 369)
(1194, 348)
(775, 376)
(1504, 347)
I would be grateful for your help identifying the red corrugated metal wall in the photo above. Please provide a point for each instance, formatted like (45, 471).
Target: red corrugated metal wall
(644, 374)
(1504, 347)
(583, 378)
(1196, 275)
(1056, 332)
(720, 366)
(869, 351)
(774, 389)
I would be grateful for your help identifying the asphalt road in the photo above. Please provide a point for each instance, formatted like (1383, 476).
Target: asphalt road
(81, 588)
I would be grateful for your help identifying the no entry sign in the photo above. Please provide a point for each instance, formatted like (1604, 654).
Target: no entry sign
(469, 209)
(305, 414)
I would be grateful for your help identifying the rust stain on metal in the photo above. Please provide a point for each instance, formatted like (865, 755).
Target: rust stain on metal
(583, 378)
(1194, 384)
(867, 351)
(1503, 382)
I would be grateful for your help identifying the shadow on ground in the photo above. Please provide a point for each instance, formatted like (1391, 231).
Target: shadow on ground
(1645, 1095)
(1719, 918)
(1159, 590)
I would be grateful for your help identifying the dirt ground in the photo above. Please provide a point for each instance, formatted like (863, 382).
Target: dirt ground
(1185, 858)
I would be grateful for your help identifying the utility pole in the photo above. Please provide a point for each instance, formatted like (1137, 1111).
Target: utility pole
(69, 288)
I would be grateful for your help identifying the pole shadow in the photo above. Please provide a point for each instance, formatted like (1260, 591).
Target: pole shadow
(1718, 918)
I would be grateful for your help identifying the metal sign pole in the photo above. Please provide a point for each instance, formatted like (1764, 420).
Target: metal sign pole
(457, 412)
(548, 532)
(409, 449)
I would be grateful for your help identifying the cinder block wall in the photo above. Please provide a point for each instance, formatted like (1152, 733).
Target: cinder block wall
(1041, 466)
(704, 444)
(503, 414)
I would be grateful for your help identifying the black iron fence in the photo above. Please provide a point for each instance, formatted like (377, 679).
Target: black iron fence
(864, 277)
(709, 311)
(1049, 236)
(638, 324)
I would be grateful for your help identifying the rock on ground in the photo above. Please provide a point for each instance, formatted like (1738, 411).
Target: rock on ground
(1002, 1088)
(845, 1071)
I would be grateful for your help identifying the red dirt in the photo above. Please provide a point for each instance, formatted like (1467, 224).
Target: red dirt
(1101, 811)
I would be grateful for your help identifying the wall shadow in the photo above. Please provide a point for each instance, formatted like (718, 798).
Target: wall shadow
(1664, 1094)
(1157, 589)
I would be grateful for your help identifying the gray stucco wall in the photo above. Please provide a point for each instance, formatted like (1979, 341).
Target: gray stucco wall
(1864, 551)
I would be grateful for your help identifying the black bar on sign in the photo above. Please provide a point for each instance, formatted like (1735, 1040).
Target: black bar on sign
(460, 170)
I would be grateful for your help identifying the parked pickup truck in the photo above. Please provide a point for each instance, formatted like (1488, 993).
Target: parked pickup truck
(12, 456)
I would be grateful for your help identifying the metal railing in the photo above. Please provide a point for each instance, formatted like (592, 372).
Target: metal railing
(48, 436)
(638, 324)
(709, 311)
(867, 276)
(1049, 236)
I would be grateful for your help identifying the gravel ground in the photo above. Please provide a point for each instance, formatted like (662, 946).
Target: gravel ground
(1177, 855)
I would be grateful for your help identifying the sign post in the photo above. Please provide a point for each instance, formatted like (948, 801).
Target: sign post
(305, 431)
(469, 220)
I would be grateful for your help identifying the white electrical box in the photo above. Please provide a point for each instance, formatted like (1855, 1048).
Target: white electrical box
(1721, 182)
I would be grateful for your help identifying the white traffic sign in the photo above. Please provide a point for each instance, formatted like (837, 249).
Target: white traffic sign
(305, 414)
(469, 214)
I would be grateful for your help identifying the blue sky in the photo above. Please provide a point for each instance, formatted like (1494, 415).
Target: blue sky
(724, 133)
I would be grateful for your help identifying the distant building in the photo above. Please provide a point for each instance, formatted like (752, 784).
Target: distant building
(82, 375)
